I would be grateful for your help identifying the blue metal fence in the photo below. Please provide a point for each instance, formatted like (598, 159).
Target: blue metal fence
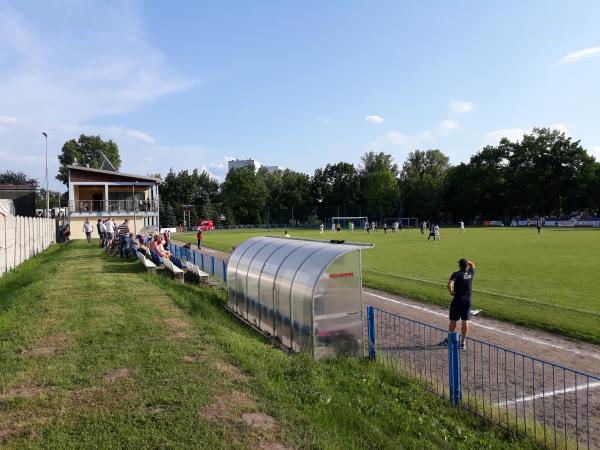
(210, 264)
(557, 406)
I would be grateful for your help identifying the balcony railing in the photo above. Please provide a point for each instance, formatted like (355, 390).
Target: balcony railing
(114, 206)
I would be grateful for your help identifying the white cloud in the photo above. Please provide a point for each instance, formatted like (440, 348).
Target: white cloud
(60, 71)
(516, 134)
(46, 72)
(229, 158)
(580, 54)
(461, 106)
(141, 136)
(447, 125)
(513, 134)
(594, 150)
(401, 139)
(374, 118)
(8, 120)
(560, 127)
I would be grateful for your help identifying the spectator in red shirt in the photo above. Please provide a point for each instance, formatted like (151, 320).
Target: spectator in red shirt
(199, 237)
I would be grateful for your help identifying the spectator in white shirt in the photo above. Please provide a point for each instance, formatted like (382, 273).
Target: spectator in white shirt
(87, 229)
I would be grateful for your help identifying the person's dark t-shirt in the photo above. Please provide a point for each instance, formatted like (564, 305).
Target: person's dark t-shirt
(463, 281)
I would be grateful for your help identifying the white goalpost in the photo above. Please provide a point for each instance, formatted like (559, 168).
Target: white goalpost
(405, 222)
(349, 223)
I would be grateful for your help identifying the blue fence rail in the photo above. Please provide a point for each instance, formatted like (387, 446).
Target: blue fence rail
(557, 406)
(210, 264)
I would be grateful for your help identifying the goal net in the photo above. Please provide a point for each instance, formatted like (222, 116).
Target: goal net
(404, 222)
(346, 223)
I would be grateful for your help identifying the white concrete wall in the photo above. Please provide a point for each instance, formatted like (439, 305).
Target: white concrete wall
(22, 238)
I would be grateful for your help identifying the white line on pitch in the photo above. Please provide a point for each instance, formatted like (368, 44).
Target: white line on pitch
(549, 394)
(497, 294)
(487, 327)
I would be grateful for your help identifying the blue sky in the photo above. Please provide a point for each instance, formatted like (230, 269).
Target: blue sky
(298, 84)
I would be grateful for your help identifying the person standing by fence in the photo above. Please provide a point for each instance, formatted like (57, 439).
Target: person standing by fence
(199, 237)
(124, 237)
(459, 286)
(87, 229)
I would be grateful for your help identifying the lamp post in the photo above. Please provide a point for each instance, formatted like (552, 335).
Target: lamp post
(47, 191)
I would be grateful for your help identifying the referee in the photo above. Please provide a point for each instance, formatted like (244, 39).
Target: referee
(459, 286)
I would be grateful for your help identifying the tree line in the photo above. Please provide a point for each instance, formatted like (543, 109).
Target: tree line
(546, 173)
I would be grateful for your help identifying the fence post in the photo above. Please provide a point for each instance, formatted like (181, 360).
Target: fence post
(224, 271)
(371, 330)
(202, 261)
(212, 265)
(454, 369)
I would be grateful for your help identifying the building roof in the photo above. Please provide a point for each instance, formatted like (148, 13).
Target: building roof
(16, 187)
(110, 172)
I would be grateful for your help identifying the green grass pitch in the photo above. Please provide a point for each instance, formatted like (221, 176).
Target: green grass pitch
(551, 281)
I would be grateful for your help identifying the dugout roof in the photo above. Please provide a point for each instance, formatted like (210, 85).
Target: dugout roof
(305, 293)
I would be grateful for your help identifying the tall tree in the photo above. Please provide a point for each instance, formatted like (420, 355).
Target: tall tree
(336, 188)
(11, 177)
(167, 216)
(546, 172)
(379, 184)
(86, 150)
(246, 194)
(422, 183)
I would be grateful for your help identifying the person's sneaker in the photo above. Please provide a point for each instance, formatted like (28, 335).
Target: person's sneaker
(463, 346)
(444, 342)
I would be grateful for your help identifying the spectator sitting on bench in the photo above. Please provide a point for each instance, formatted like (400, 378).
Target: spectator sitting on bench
(157, 246)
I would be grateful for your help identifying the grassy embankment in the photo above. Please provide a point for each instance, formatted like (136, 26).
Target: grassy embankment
(548, 282)
(95, 353)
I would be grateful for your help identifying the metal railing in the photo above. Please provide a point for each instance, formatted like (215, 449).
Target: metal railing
(210, 264)
(557, 406)
(116, 206)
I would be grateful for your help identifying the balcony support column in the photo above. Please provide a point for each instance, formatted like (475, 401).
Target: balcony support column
(105, 197)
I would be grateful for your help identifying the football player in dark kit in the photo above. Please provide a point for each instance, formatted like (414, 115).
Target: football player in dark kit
(459, 286)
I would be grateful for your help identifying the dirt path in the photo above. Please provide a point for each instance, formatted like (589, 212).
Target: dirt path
(574, 354)
(209, 251)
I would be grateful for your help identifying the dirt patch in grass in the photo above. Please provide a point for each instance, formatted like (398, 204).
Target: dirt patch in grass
(230, 370)
(48, 345)
(225, 406)
(21, 422)
(260, 421)
(24, 392)
(117, 375)
(236, 406)
(191, 359)
(182, 335)
(88, 398)
(274, 446)
(155, 409)
(174, 324)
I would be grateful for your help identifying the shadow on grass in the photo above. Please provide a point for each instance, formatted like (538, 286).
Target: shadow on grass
(29, 272)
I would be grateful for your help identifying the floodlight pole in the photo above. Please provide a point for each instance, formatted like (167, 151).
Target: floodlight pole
(47, 181)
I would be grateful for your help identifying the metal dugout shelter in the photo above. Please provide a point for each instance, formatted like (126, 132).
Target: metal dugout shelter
(305, 293)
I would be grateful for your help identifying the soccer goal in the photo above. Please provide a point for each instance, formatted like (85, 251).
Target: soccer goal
(405, 222)
(346, 223)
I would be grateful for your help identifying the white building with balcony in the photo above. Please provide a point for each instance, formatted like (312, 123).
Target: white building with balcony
(98, 194)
